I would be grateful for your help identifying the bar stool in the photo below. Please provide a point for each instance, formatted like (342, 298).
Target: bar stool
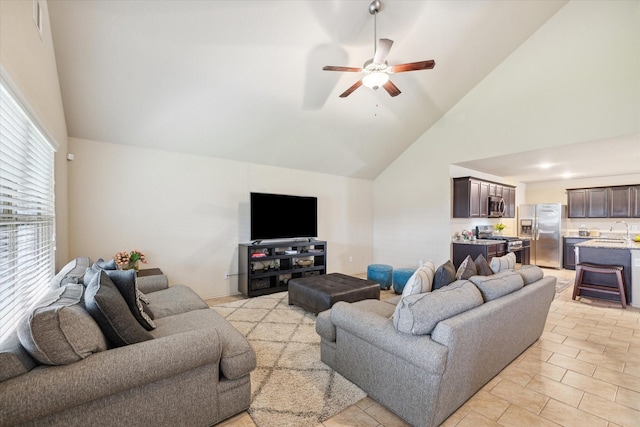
(579, 285)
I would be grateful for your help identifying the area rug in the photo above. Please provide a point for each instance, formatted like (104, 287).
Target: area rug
(290, 386)
(562, 284)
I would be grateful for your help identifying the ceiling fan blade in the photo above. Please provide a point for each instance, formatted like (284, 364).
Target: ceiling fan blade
(413, 66)
(391, 88)
(337, 68)
(382, 50)
(351, 89)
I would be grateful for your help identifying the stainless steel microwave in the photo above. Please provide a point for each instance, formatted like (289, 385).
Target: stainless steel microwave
(496, 207)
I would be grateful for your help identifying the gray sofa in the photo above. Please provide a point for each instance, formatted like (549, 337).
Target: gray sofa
(424, 377)
(192, 369)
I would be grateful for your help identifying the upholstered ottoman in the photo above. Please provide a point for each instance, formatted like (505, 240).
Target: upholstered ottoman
(400, 278)
(319, 293)
(381, 273)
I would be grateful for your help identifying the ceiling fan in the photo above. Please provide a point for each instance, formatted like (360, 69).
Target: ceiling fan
(376, 70)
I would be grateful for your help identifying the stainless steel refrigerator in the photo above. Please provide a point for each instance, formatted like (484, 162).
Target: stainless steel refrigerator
(544, 224)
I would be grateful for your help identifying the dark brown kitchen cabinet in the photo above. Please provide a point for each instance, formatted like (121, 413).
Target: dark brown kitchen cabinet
(620, 206)
(577, 203)
(635, 201)
(598, 203)
(471, 197)
(621, 201)
(509, 196)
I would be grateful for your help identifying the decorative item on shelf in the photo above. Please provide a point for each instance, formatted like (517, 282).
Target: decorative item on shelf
(304, 262)
(129, 260)
(499, 227)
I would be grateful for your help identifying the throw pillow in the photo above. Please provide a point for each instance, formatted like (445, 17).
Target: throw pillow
(497, 285)
(59, 331)
(466, 269)
(482, 266)
(106, 265)
(109, 309)
(125, 281)
(530, 273)
(419, 314)
(507, 262)
(73, 272)
(420, 281)
(445, 274)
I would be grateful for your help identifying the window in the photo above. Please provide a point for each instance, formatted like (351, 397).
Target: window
(27, 221)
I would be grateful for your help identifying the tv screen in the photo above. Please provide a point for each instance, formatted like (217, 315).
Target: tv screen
(278, 216)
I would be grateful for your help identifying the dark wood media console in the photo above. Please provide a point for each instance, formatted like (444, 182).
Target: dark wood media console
(266, 268)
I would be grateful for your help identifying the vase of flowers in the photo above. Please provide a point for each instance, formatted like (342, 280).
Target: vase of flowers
(129, 260)
(499, 227)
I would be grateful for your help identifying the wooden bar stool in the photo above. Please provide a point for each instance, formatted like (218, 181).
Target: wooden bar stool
(579, 285)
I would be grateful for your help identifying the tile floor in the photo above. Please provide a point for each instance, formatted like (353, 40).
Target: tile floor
(583, 371)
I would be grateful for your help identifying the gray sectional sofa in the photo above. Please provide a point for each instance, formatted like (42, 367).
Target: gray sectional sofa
(423, 355)
(63, 367)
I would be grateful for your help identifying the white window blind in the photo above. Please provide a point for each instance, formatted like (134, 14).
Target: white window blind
(27, 221)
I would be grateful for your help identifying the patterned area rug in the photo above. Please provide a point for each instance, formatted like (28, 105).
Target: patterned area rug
(562, 284)
(291, 386)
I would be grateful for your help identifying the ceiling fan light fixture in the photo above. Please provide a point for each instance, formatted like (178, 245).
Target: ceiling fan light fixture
(375, 79)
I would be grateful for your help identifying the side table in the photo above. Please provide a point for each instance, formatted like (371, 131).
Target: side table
(149, 272)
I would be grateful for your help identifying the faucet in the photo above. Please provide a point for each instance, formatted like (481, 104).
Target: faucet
(628, 238)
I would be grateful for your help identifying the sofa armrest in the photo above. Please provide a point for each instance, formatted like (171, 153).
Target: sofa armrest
(362, 320)
(48, 389)
(148, 284)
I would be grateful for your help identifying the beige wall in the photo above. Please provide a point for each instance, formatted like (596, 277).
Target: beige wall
(574, 80)
(30, 63)
(188, 213)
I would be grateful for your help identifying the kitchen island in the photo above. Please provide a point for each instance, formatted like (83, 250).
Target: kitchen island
(485, 247)
(612, 252)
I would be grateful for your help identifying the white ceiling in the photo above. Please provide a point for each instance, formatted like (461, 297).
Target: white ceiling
(243, 80)
(610, 157)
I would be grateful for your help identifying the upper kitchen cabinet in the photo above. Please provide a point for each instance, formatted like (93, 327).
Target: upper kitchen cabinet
(471, 197)
(597, 203)
(604, 202)
(635, 201)
(577, 203)
(620, 202)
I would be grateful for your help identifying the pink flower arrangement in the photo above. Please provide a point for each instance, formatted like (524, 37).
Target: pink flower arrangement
(125, 259)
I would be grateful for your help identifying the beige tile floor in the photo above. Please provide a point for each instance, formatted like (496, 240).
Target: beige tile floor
(584, 371)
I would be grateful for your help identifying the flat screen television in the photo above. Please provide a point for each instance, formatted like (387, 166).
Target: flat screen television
(279, 216)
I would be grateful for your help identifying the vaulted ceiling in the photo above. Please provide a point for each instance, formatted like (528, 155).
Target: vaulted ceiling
(243, 80)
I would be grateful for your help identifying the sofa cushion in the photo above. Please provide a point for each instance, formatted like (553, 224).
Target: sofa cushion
(15, 360)
(174, 300)
(59, 330)
(73, 272)
(466, 269)
(125, 281)
(107, 306)
(530, 273)
(507, 262)
(419, 314)
(420, 281)
(445, 274)
(497, 285)
(238, 357)
(482, 266)
(106, 265)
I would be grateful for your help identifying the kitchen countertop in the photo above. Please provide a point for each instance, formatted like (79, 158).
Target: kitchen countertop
(481, 242)
(609, 244)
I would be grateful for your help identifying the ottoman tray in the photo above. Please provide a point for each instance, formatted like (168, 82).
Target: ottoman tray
(319, 293)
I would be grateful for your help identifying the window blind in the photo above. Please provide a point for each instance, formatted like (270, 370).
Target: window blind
(27, 213)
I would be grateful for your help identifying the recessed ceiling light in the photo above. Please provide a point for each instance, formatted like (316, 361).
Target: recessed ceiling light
(567, 175)
(545, 165)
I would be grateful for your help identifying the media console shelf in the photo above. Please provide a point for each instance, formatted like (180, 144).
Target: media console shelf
(266, 268)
